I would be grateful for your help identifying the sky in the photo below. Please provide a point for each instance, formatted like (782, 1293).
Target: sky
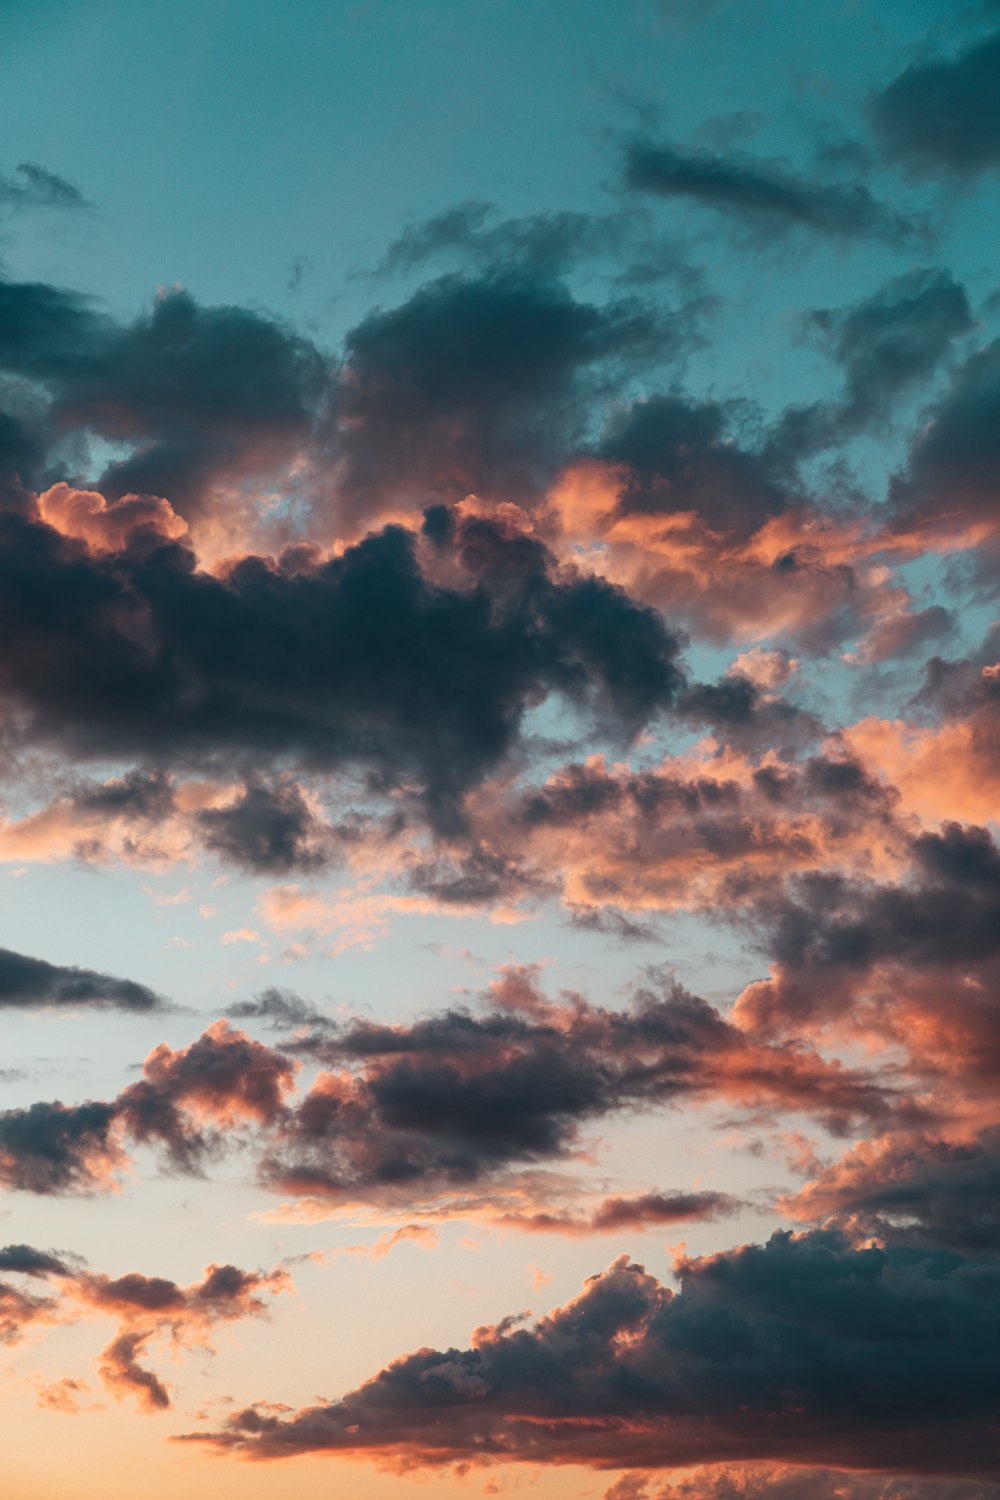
(499, 723)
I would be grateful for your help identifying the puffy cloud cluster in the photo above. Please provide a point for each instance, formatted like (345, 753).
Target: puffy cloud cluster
(450, 608)
(449, 1102)
(146, 1309)
(806, 1350)
(359, 659)
(183, 1102)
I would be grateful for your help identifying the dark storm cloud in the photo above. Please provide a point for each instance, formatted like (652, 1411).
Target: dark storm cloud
(926, 1189)
(185, 1103)
(20, 458)
(968, 689)
(188, 1098)
(886, 345)
(28, 981)
(357, 659)
(198, 392)
(478, 873)
(46, 333)
(895, 337)
(481, 385)
(681, 455)
(952, 913)
(804, 1350)
(765, 196)
(143, 795)
(942, 117)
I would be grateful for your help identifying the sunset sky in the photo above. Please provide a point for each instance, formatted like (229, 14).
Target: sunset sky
(500, 749)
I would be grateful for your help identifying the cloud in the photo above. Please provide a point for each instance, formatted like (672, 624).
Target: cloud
(932, 1190)
(944, 497)
(58, 1148)
(28, 1261)
(108, 526)
(270, 829)
(771, 1482)
(942, 117)
(455, 1100)
(707, 533)
(459, 1099)
(153, 819)
(28, 982)
(681, 456)
(33, 187)
(640, 1212)
(146, 1308)
(184, 1102)
(887, 345)
(279, 1009)
(883, 957)
(790, 1352)
(690, 832)
(21, 1310)
(766, 197)
(359, 659)
(477, 385)
(546, 243)
(220, 1081)
(197, 394)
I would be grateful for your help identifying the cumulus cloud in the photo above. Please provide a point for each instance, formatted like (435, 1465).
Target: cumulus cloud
(789, 1351)
(912, 962)
(931, 1189)
(358, 659)
(478, 384)
(197, 395)
(452, 1101)
(458, 1099)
